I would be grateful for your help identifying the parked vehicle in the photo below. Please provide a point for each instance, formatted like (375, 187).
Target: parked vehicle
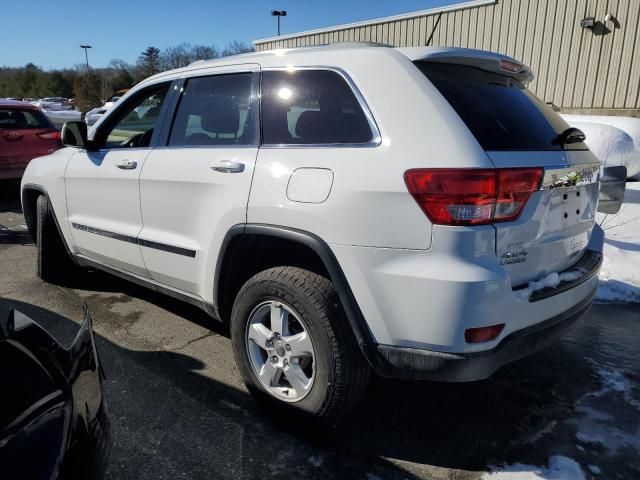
(25, 133)
(96, 114)
(53, 419)
(60, 117)
(54, 104)
(347, 209)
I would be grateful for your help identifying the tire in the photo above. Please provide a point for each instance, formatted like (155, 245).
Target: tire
(338, 371)
(54, 264)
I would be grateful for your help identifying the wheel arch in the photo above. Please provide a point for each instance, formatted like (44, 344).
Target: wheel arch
(243, 253)
(29, 196)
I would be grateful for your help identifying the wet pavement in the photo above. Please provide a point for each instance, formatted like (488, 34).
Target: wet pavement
(179, 409)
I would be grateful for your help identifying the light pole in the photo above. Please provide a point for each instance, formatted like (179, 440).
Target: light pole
(86, 55)
(278, 14)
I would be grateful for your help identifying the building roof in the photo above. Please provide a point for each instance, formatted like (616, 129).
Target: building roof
(375, 21)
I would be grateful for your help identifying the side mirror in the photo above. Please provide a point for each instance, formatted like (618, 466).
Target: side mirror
(74, 134)
(612, 185)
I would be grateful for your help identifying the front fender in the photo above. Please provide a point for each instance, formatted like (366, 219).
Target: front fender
(46, 175)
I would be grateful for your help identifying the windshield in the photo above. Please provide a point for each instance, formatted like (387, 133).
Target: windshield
(500, 112)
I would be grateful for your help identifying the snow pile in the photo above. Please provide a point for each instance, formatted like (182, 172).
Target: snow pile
(560, 468)
(629, 125)
(620, 273)
(614, 140)
(550, 281)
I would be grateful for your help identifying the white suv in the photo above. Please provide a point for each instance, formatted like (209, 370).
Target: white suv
(347, 209)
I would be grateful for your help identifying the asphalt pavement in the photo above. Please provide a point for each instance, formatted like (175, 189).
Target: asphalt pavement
(179, 409)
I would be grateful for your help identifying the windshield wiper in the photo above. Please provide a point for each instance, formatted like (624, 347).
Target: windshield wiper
(570, 135)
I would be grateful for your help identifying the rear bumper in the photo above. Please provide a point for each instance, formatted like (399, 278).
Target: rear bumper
(417, 364)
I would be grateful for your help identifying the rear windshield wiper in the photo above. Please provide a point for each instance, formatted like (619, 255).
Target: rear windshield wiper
(570, 135)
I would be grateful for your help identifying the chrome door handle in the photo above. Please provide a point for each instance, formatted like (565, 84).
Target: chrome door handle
(127, 164)
(228, 166)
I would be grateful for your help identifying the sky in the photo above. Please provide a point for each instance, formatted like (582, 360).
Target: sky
(49, 34)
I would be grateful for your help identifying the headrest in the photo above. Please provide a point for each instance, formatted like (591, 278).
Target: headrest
(221, 115)
(314, 126)
(323, 127)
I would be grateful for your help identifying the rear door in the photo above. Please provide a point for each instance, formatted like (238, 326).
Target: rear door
(516, 129)
(103, 195)
(195, 187)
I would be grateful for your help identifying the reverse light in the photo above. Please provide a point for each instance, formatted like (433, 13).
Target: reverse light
(472, 196)
(483, 334)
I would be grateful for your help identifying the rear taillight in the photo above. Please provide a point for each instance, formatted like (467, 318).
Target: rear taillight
(472, 196)
(53, 135)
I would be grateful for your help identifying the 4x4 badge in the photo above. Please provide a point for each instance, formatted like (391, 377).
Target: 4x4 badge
(509, 258)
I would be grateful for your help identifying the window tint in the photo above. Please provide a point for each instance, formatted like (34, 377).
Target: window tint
(499, 111)
(135, 124)
(15, 119)
(311, 107)
(216, 110)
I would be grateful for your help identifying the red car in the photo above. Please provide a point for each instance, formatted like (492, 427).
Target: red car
(25, 133)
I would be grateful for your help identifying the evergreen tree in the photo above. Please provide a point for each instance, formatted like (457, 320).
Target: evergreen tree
(149, 62)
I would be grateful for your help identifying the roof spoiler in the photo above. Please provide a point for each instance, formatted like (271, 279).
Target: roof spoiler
(489, 61)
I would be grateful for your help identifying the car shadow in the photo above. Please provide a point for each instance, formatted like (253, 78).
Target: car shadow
(170, 421)
(10, 196)
(632, 247)
(169, 418)
(100, 282)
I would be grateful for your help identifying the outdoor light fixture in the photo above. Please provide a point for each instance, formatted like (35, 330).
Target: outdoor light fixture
(588, 22)
(278, 14)
(86, 55)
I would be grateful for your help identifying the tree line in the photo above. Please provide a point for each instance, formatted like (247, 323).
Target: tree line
(91, 88)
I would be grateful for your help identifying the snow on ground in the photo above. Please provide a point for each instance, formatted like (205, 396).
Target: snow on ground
(595, 430)
(620, 274)
(560, 468)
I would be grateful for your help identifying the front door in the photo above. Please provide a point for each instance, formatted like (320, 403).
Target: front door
(196, 187)
(103, 196)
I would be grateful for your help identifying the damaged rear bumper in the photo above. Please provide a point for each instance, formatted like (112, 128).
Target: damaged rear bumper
(417, 364)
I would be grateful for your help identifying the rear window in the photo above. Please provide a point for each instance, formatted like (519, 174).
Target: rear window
(15, 119)
(311, 107)
(500, 112)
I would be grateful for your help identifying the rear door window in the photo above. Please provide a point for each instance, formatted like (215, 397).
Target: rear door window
(311, 107)
(217, 110)
(500, 112)
(14, 119)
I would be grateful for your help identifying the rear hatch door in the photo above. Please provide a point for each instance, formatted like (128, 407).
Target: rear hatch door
(516, 129)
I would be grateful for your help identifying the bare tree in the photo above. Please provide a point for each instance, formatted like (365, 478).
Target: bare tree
(177, 57)
(202, 52)
(236, 47)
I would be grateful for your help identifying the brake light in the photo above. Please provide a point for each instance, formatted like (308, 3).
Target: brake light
(472, 196)
(54, 135)
(511, 67)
